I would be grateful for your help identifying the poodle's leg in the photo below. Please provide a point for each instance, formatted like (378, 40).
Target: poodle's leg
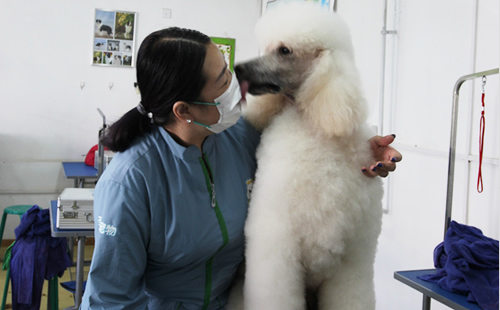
(274, 277)
(352, 285)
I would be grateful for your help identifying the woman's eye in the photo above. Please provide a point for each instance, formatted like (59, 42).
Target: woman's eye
(284, 50)
(229, 78)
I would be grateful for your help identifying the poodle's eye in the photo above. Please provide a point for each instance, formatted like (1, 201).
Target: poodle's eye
(283, 50)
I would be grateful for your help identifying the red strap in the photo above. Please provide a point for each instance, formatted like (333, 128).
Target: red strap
(481, 144)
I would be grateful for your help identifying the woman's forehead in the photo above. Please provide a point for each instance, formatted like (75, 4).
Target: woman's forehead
(214, 62)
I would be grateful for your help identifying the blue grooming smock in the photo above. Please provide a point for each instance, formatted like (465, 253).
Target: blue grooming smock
(169, 222)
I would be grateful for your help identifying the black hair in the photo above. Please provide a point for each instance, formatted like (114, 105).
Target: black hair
(169, 69)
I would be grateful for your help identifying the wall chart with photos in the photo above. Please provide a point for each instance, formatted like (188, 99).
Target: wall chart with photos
(114, 38)
(226, 47)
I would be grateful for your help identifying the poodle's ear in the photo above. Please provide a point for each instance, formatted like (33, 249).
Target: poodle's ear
(259, 110)
(331, 96)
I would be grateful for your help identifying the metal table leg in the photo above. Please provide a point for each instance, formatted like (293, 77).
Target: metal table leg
(71, 248)
(426, 303)
(79, 272)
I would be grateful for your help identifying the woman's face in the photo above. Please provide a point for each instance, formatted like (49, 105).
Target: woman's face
(217, 74)
(218, 77)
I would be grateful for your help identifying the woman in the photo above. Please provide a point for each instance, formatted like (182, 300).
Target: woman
(171, 206)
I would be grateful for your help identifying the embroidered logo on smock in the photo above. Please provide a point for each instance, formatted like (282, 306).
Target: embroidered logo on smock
(106, 229)
(249, 183)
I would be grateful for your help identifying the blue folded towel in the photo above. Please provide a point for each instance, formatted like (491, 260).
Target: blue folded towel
(467, 263)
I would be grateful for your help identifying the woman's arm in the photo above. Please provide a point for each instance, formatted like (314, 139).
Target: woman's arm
(116, 277)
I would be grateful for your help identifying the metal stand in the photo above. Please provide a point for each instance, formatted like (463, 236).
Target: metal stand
(410, 278)
(79, 273)
(100, 147)
(453, 141)
(426, 303)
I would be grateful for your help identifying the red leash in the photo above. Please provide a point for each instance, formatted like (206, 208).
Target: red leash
(481, 142)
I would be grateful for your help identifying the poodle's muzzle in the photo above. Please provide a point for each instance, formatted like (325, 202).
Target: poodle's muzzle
(282, 70)
(260, 78)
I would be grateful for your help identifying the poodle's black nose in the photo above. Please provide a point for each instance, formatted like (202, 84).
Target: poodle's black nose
(240, 71)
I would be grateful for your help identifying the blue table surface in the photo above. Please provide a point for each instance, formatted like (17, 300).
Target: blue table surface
(78, 170)
(433, 290)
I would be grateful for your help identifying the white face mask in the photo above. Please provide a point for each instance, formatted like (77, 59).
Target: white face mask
(229, 107)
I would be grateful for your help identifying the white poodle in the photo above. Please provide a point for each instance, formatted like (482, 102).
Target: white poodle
(314, 218)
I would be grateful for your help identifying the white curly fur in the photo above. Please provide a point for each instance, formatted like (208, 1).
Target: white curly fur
(314, 218)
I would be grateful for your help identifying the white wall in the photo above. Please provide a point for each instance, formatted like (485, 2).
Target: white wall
(437, 42)
(45, 54)
(46, 118)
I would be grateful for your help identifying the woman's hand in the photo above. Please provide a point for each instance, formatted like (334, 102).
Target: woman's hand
(386, 157)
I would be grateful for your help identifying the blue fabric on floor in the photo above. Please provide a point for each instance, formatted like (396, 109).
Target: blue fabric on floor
(35, 256)
(467, 263)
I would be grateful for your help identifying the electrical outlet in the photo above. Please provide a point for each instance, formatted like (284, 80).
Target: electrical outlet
(166, 13)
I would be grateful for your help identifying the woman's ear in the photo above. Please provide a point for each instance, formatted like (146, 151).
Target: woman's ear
(181, 111)
(331, 96)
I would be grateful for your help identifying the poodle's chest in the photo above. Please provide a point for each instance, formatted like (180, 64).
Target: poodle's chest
(293, 141)
(319, 180)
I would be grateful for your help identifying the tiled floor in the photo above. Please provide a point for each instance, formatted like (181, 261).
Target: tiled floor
(65, 297)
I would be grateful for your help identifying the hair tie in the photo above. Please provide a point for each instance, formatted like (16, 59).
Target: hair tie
(143, 111)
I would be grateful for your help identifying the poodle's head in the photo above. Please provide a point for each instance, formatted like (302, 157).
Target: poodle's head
(308, 58)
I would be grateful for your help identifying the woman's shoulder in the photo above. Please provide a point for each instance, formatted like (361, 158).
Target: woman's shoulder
(243, 132)
(138, 158)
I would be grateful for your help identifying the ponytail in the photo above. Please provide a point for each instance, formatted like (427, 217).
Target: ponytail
(169, 69)
(120, 135)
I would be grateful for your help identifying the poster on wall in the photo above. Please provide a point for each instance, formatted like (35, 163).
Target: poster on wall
(114, 38)
(226, 46)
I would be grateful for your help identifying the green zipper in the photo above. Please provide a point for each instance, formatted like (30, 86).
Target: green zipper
(207, 170)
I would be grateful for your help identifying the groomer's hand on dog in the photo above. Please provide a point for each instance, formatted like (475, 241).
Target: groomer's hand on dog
(385, 155)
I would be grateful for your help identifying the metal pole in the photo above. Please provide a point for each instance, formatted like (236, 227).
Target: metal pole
(79, 272)
(426, 303)
(100, 147)
(384, 33)
(453, 141)
(382, 73)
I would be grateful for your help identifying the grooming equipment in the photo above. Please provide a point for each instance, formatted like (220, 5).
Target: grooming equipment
(75, 209)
